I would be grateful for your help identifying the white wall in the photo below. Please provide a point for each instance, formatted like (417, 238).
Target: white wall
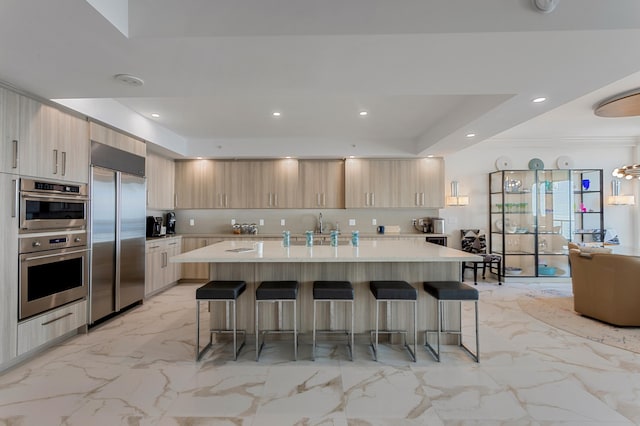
(471, 168)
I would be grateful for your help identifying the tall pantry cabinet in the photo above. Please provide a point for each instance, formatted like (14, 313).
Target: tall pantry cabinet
(8, 267)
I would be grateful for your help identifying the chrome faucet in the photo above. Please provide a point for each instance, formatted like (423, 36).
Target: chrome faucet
(320, 225)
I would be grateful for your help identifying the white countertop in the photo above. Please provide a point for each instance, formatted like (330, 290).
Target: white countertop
(368, 251)
(343, 235)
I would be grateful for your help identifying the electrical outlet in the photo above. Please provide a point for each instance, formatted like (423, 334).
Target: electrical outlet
(261, 222)
(192, 222)
(352, 222)
(233, 222)
(374, 222)
(281, 222)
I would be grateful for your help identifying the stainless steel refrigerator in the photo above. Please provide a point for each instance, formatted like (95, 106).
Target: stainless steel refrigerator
(118, 231)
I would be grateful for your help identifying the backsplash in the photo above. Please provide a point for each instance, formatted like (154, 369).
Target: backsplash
(297, 221)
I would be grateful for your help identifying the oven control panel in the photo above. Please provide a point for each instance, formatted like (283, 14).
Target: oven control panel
(52, 242)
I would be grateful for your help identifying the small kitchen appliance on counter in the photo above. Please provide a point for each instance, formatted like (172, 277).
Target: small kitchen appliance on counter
(154, 226)
(430, 225)
(170, 223)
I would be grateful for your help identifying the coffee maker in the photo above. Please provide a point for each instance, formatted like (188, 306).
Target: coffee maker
(154, 226)
(170, 221)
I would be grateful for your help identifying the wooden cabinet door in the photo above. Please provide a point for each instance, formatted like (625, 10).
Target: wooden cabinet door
(9, 127)
(174, 270)
(39, 155)
(431, 182)
(368, 183)
(160, 173)
(320, 184)
(73, 143)
(155, 270)
(111, 137)
(53, 144)
(280, 178)
(194, 184)
(8, 268)
(194, 271)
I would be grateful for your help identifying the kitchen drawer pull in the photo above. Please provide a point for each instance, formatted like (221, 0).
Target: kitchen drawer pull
(15, 154)
(152, 247)
(64, 163)
(57, 319)
(14, 199)
(175, 199)
(172, 244)
(55, 161)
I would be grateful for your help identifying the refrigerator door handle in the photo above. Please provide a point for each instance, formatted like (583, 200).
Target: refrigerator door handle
(118, 242)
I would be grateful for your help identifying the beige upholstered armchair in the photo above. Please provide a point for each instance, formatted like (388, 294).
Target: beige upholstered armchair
(606, 287)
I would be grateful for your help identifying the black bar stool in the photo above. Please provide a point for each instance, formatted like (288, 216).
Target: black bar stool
(333, 291)
(220, 291)
(277, 291)
(394, 291)
(451, 291)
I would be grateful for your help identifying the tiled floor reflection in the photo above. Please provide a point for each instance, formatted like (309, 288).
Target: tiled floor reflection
(138, 370)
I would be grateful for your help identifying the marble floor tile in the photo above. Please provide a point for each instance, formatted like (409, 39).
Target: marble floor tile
(139, 369)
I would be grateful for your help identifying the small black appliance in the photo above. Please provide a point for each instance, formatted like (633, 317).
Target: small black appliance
(154, 226)
(171, 223)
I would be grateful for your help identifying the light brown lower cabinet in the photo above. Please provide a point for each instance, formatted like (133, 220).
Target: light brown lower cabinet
(196, 271)
(159, 272)
(44, 328)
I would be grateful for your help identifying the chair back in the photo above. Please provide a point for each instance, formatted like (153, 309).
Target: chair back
(473, 241)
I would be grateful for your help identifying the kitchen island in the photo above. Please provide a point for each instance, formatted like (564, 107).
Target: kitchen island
(413, 261)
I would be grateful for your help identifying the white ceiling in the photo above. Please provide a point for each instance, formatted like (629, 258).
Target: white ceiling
(427, 71)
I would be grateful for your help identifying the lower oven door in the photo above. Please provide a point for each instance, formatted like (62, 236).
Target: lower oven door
(51, 279)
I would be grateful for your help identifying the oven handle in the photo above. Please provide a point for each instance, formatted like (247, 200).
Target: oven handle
(54, 197)
(27, 259)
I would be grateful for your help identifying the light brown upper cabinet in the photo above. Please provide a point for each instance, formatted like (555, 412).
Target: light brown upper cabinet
(160, 172)
(277, 181)
(262, 184)
(111, 137)
(369, 183)
(381, 183)
(321, 184)
(421, 182)
(52, 143)
(194, 187)
(9, 126)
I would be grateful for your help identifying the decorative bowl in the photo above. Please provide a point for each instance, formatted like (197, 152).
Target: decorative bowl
(511, 270)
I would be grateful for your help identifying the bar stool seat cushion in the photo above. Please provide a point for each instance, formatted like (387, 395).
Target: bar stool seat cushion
(393, 290)
(277, 290)
(221, 290)
(333, 290)
(450, 290)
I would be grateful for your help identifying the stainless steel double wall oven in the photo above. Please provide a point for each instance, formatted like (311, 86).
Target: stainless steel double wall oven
(54, 252)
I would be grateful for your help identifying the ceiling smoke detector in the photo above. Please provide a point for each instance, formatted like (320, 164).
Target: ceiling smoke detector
(129, 80)
(545, 6)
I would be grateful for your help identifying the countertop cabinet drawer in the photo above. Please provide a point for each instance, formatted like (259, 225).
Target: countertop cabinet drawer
(44, 328)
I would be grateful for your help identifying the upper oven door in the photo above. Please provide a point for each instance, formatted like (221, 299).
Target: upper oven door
(46, 212)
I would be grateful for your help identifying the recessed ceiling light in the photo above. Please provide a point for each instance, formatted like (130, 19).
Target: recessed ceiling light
(129, 79)
(352, 156)
(470, 135)
(288, 157)
(430, 156)
(364, 113)
(276, 114)
(198, 158)
(155, 115)
(538, 100)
